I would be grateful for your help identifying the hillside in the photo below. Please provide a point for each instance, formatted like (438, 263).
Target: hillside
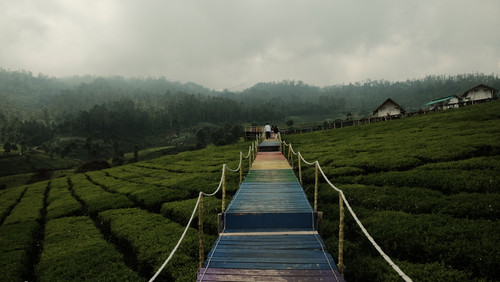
(425, 187)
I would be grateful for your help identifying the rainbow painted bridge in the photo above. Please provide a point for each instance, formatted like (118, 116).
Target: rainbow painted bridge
(270, 230)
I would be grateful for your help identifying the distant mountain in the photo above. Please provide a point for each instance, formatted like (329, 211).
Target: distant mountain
(29, 96)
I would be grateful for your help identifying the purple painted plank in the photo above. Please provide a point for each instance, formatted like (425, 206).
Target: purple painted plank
(218, 274)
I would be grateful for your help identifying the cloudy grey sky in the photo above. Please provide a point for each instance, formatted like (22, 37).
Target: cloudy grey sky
(237, 43)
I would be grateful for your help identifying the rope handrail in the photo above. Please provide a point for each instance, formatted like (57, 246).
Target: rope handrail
(200, 195)
(351, 211)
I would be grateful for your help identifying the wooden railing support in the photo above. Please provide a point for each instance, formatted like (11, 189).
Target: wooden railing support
(316, 174)
(341, 236)
(200, 232)
(241, 167)
(300, 167)
(224, 189)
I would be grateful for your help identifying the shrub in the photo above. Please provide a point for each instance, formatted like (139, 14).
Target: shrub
(446, 181)
(30, 206)
(9, 198)
(60, 202)
(13, 265)
(74, 250)
(181, 211)
(16, 243)
(152, 237)
(95, 198)
(423, 238)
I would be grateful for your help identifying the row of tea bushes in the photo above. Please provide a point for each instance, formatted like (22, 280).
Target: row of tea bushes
(94, 198)
(426, 188)
(60, 202)
(181, 211)
(9, 199)
(145, 194)
(16, 247)
(106, 225)
(417, 200)
(151, 237)
(21, 230)
(445, 181)
(75, 250)
(470, 245)
(30, 206)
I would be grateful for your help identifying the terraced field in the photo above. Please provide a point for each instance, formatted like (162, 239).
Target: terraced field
(113, 225)
(426, 188)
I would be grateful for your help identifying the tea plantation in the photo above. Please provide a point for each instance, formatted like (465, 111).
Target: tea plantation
(426, 188)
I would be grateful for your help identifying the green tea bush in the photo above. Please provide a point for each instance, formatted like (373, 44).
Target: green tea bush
(95, 198)
(74, 250)
(118, 185)
(30, 206)
(60, 202)
(9, 199)
(413, 200)
(153, 198)
(445, 181)
(18, 236)
(16, 243)
(471, 206)
(332, 171)
(13, 265)
(152, 237)
(181, 211)
(472, 246)
(480, 163)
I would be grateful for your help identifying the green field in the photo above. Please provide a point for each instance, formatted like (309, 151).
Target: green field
(426, 188)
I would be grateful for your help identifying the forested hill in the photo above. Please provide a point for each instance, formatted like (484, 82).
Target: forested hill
(363, 97)
(29, 96)
(25, 95)
(36, 108)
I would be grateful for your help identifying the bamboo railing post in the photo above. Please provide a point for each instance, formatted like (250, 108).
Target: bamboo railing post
(241, 167)
(289, 151)
(250, 158)
(316, 187)
(224, 188)
(341, 235)
(300, 168)
(200, 231)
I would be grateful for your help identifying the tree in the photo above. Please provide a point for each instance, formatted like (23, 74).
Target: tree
(136, 153)
(289, 122)
(201, 135)
(7, 147)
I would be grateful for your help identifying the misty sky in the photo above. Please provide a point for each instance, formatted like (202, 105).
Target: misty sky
(236, 43)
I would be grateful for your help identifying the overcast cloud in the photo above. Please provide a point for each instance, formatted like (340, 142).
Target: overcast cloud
(237, 43)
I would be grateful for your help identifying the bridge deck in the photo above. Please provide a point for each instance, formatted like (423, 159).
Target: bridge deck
(269, 232)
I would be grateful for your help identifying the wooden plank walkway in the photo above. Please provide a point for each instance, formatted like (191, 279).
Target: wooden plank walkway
(269, 232)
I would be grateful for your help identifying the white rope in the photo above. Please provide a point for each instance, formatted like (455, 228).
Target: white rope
(179, 242)
(370, 238)
(249, 151)
(224, 167)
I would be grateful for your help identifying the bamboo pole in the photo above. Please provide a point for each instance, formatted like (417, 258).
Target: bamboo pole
(300, 168)
(250, 158)
(316, 173)
(341, 236)
(224, 189)
(200, 232)
(241, 167)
